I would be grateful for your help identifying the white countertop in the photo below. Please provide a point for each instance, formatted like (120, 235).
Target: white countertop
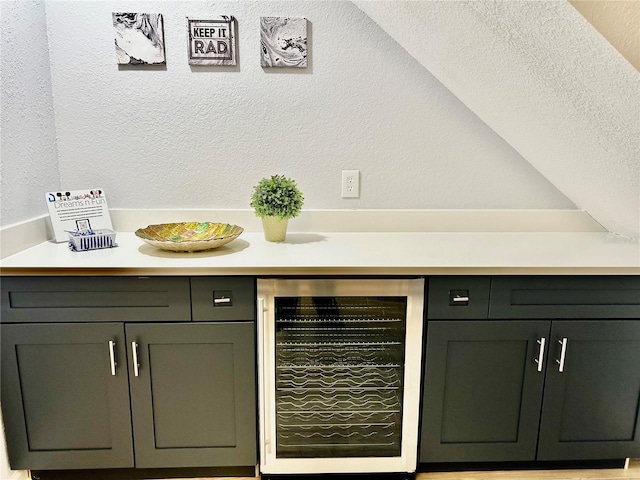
(431, 253)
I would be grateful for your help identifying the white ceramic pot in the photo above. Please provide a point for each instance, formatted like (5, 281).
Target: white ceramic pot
(275, 229)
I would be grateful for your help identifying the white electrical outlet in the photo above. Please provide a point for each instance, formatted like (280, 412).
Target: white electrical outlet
(350, 183)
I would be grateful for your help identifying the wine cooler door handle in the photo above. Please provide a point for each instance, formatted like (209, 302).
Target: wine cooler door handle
(136, 363)
(264, 377)
(112, 357)
(541, 341)
(563, 354)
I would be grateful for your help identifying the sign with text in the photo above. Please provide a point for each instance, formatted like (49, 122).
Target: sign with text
(212, 42)
(78, 210)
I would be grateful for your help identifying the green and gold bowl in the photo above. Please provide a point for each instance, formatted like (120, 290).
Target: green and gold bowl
(189, 236)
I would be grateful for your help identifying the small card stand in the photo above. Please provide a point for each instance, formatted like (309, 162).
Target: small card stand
(71, 211)
(87, 239)
(79, 242)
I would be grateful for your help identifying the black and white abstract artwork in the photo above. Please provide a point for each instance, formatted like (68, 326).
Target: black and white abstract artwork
(212, 41)
(139, 38)
(283, 42)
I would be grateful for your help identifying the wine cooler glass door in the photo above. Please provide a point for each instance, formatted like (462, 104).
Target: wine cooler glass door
(338, 364)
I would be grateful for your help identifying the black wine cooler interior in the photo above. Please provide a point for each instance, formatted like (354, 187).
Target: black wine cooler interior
(339, 376)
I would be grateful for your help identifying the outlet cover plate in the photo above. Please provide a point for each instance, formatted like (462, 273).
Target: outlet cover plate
(350, 183)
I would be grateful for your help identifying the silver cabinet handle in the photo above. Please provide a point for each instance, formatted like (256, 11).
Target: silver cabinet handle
(563, 354)
(112, 357)
(460, 299)
(221, 300)
(540, 358)
(136, 363)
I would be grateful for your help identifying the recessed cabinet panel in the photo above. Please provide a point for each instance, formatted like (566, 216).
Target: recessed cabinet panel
(591, 407)
(58, 382)
(583, 420)
(184, 417)
(65, 403)
(95, 299)
(483, 388)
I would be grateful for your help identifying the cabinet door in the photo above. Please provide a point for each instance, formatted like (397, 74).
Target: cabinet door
(482, 391)
(193, 394)
(63, 404)
(591, 408)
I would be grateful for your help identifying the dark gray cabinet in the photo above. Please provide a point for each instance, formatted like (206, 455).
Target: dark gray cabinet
(193, 395)
(560, 297)
(216, 299)
(482, 391)
(94, 299)
(544, 369)
(104, 390)
(63, 405)
(591, 407)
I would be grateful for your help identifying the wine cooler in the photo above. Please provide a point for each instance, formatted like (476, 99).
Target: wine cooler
(339, 367)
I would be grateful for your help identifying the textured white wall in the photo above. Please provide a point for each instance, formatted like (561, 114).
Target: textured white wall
(545, 80)
(201, 137)
(28, 156)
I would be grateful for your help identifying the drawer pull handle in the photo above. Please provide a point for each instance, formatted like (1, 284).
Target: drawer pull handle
(540, 358)
(221, 300)
(136, 363)
(112, 357)
(460, 299)
(563, 354)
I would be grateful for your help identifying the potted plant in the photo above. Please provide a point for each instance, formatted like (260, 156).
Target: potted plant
(276, 199)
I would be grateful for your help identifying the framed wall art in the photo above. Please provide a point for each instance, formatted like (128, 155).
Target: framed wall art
(139, 38)
(212, 41)
(283, 42)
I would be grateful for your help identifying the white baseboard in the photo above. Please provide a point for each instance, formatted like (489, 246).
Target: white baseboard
(19, 475)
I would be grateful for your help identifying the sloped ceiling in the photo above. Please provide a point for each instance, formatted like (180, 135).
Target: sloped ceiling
(545, 80)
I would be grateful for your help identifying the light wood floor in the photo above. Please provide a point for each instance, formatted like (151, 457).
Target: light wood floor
(633, 472)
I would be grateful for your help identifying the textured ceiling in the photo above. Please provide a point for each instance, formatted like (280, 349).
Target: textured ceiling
(545, 80)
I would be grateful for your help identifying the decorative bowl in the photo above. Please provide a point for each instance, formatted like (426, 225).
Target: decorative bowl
(189, 236)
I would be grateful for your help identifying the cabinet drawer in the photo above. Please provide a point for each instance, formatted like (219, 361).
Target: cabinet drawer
(95, 299)
(223, 298)
(565, 297)
(461, 298)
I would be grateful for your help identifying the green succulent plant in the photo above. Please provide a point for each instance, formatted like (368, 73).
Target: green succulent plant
(277, 196)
